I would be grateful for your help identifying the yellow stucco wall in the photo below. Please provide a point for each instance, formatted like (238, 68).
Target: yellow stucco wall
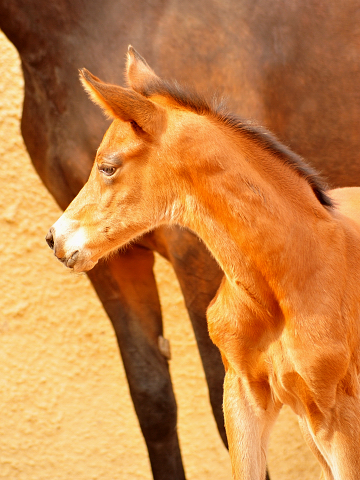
(65, 408)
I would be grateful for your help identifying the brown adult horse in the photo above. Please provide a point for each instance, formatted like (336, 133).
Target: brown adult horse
(288, 65)
(286, 316)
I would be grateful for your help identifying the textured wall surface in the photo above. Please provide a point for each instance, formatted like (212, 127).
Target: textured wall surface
(65, 408)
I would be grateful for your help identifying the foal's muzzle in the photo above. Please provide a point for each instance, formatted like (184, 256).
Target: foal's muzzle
(59, 253)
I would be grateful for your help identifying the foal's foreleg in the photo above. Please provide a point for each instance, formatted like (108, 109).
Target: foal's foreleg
(337, 438)
(248, 424)
(326, 472)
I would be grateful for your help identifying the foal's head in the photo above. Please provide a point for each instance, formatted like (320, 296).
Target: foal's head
(162, 146)
(133, 186)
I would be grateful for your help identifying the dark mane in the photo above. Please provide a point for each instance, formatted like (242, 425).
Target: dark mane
(197, 103)
(269, 142)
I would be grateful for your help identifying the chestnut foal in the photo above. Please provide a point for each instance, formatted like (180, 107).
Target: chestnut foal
(286, 315)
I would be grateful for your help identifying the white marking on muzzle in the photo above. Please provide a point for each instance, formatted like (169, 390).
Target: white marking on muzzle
(70, 234)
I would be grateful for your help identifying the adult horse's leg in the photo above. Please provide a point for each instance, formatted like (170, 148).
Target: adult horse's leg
(199, 278)
(126, 286)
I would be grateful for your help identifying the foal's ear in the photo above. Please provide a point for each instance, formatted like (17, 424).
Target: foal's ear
(138, 73)
(125, 104)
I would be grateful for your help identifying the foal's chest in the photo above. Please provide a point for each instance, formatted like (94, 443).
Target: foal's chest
(239, 327)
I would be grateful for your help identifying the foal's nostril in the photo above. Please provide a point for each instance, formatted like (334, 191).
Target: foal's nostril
(50, 239)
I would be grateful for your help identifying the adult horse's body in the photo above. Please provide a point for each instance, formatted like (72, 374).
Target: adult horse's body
(293, 64)
(286, 316)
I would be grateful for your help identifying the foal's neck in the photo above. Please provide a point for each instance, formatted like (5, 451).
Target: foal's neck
(259, 218)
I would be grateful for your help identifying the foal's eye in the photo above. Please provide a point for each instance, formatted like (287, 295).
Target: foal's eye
(107, 170)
